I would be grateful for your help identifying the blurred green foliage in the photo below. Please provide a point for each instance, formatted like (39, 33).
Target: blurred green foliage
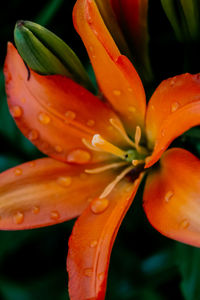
(144, 264)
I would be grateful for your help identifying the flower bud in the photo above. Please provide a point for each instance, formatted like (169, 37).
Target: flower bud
(47, 54)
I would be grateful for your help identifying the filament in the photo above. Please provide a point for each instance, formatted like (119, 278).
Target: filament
(111, 185)
(105, 168)
(121, 130)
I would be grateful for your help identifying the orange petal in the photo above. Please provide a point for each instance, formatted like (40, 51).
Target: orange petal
(46, 192)
(55, 113)
(172, 194)
(173, 109)
(92, 239)
(116, 76)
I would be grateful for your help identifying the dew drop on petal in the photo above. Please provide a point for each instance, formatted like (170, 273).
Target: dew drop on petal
(16, 111)
(184, 224)
(18, 172)
(117, 92)
(70, 115)
(93, 244)
(36, 210)
(101, 276)
(168, 196)
(132, 109)
(32, 164)
(88, 272)
(98, 205)
(65, 181)
(58, 148)
(23, 100)
(79, 156)
(130, 90)
(83, 176)
(174, 106)
(163, 132)
(44, 118)
(19, 217)
(90, 123)
(55, 215)
(33, 135)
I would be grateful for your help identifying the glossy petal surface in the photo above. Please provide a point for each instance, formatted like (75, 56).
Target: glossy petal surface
(46, 192)
(173, 109)
(55, 113)
(117, 78)
(92, 239)
(172, 197)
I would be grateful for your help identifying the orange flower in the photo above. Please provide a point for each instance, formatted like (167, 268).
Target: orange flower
(98, 153)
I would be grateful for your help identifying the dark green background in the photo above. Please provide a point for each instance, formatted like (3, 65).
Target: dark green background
(144, 264)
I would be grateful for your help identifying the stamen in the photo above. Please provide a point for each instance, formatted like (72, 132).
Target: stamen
(122, 131)
(105, 168)
(111, 186)
(104, 145)
(138, 134)
(89, 146)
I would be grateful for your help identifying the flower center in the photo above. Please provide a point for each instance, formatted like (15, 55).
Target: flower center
(132, 159)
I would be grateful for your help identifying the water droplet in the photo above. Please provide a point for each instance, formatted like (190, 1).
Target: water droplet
(16, 111)
(168, 196)
(33, 135)
(19, 218)
(152, 107)
(55, 215)
(23, 100)
(98, 205)
(130, 90)
(117, 92)
(79, 156)
(172, 82)
(101, 276)
(184, 224)
(44, 118)
(36, 210)
(132, 109)
(93, 244)
(88, 272)
(163, 132)
(18, 172)
(32, 164)
(90, 123)
(58, 148)
(174, 106)
(65, 181)
(70, 115)
(83, 176)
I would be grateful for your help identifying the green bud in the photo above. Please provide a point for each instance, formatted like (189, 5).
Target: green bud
(47, 54)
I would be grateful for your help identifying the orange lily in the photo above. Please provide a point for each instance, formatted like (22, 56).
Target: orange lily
(98, 153)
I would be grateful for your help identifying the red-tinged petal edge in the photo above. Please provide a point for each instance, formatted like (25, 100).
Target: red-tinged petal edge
(92, 239)
(45, 192)
(56, 113)
(124, 92)
(173, 109)
(172, 197)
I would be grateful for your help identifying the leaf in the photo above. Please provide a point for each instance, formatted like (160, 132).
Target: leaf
(188, 259)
